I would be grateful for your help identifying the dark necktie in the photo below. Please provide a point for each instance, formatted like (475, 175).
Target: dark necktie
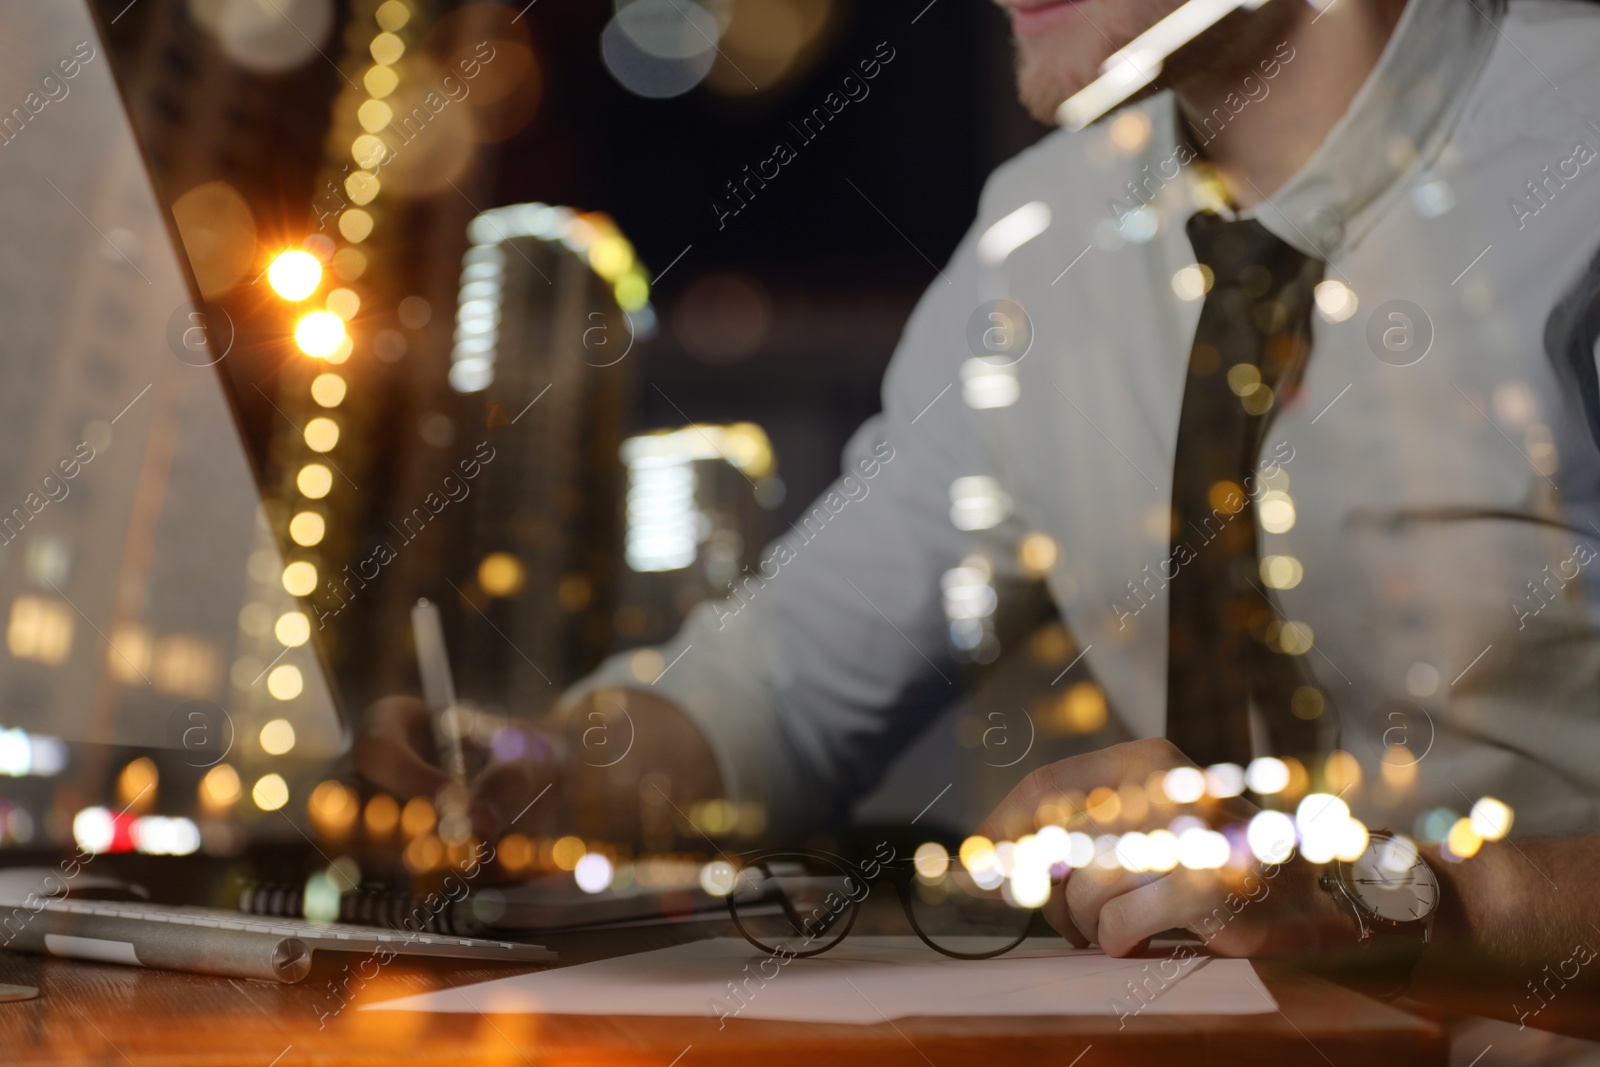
(1222, 649)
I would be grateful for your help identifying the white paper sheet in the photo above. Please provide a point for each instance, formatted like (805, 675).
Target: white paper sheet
(865, 980)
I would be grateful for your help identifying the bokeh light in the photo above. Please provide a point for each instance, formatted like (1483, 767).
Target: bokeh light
(270, 792)
(382, 815)
(285, 682)
(333, 808)
(1184, 785)
(355, 225)
(294, 275)
(567, 851)
(931, 861)
(767, 43)
(593, 873)
(658, 48)
(1271, 836)
(977, 854)
(272, 37)
(1463, 841)
(387, 49)
(1267, 775)
(328, 390)
(379, 81)
(319, 333)
(343, 303)
(292, 629)
(1224, 780)
(1491, 819)
(218, 233)
(501, 574)
(322, 434)
(220, 787)
(300, 578)
(314, 481)
(277, 737)
(718, 878)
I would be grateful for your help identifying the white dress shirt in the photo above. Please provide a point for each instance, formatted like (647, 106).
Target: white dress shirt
(1426, 497)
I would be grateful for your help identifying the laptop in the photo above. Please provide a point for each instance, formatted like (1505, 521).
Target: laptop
(140, 581)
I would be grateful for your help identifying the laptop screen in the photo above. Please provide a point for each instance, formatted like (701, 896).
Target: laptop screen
(142, 596)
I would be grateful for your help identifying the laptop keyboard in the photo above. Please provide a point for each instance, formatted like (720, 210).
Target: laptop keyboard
(316, 935)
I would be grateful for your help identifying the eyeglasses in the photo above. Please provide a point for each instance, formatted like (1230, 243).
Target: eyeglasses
(796, 903)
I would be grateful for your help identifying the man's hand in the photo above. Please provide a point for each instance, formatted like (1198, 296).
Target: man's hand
(594, 772)
(395, 751)
(1248, 910)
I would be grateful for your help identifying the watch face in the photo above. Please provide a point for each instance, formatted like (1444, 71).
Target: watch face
(1393, 882)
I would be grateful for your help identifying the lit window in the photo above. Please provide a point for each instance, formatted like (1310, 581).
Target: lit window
(189, 666)
(128, 654)
(40, 629)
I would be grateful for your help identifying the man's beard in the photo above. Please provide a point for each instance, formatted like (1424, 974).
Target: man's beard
(1045, 77)
(1041, 74)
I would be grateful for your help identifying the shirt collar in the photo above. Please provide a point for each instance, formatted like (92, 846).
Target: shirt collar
(1395, 125)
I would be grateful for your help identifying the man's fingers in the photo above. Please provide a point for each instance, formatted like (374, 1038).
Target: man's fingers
(1091, 890)
(502, 794)
(1057, 913)
(388, 750)
(1192, 900)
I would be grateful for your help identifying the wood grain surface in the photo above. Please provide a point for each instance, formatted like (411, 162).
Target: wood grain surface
(103, 1014)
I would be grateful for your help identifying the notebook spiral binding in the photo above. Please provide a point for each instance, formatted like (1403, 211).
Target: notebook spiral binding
(367, 905)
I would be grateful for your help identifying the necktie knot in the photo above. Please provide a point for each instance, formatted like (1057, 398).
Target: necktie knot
(1242, 254)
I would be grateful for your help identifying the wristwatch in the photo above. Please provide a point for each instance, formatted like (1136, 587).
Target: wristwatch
(1394, 896)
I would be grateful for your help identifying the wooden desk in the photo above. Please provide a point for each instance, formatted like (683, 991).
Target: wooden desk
(128, 1017)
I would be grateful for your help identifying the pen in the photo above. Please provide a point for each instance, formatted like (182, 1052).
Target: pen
(439, 692)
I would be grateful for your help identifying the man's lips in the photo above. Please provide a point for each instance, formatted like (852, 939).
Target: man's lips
(1031, 17)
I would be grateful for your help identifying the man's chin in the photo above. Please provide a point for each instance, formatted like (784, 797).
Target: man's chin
(1045, 79)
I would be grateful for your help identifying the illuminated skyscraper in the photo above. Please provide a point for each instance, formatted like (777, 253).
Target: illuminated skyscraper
(552, 308)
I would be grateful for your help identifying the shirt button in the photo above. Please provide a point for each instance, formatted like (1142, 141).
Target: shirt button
(1325, 227)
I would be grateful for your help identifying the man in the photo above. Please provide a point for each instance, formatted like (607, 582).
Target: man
(1336, 484)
